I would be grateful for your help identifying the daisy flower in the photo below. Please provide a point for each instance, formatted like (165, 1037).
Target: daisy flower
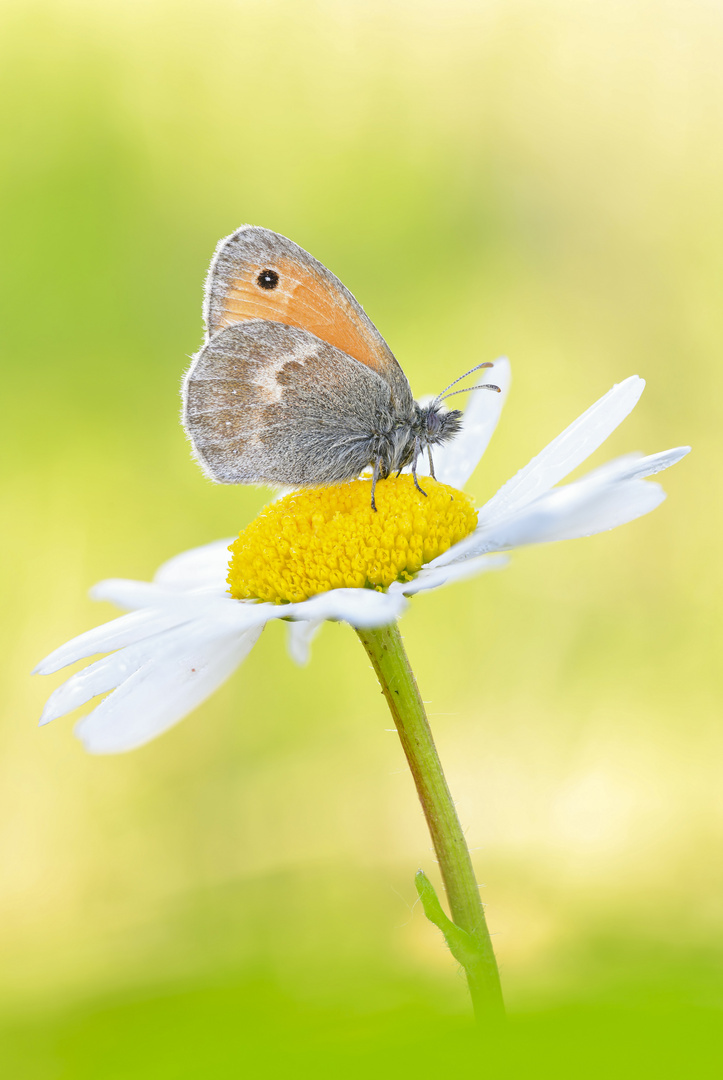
(322, 553)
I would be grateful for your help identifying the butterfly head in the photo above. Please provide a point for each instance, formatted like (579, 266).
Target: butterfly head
(434, 423)
(437, 424)
(431, 425)
(404, 439)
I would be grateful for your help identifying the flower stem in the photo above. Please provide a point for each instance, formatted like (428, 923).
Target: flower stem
(467, 935)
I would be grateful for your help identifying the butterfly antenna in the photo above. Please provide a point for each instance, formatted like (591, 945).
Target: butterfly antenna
(477, 367)
(482, 386)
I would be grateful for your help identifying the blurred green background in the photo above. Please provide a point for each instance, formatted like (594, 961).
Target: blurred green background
(541, 179)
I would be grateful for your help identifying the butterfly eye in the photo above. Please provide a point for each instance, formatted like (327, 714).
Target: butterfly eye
(268, 279)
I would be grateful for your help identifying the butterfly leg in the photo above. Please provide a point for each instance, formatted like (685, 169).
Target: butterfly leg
(431, 463)
(375, 477)
(414, 468)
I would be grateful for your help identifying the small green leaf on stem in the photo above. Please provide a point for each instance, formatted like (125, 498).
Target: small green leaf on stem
(462, 946)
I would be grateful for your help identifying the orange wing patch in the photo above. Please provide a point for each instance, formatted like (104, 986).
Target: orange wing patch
(303, 299)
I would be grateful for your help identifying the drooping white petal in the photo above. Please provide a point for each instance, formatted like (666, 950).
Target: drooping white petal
(196, 568)
(299, 639)
(113, 635)
(454, 462)
(106, 674)
(230, 615)
(165, 689)
(434, 577)
(566, 452)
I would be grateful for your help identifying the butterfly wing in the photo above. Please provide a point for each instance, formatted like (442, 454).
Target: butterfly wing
(265, 402)
(259, 274)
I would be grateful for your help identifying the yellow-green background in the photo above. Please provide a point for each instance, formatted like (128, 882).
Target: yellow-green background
(542, 179)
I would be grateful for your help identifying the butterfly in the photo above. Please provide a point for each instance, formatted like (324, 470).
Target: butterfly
(294, 384)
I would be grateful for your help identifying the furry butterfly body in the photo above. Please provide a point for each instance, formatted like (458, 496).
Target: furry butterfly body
(294, 384)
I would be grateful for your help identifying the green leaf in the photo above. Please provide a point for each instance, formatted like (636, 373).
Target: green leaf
(462, 945)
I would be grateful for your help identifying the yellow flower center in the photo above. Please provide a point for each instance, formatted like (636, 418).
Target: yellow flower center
(330, 538)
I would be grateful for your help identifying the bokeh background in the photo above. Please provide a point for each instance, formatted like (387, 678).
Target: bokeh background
(541, 179)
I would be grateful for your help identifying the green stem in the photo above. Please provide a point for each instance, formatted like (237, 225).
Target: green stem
(467, 936)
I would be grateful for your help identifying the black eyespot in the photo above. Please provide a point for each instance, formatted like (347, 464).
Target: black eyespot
(268, 279)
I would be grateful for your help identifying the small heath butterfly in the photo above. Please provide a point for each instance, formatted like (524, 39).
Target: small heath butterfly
(294, 384)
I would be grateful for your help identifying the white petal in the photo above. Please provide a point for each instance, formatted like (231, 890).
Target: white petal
(588, 506)
(575, 510)
(300, 636)
(113, 635)
(433, 578)
(196, 568)
(363, 608)
(454, 462)
(235, 614)
(566, 452)
(163, 691)
(126, 593)
(106, 674)
(229, 615)
(636, 466)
